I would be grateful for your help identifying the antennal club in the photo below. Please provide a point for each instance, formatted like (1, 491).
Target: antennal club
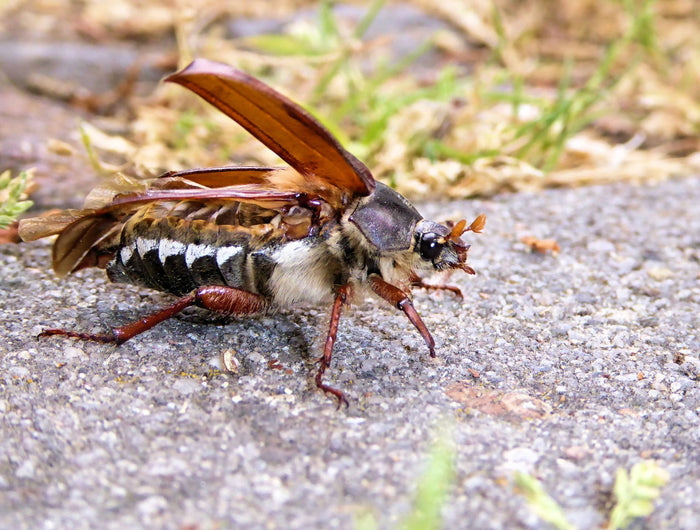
(478, 225)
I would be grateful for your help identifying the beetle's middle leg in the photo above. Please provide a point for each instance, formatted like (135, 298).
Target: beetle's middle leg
(218, 298)
(340, 299)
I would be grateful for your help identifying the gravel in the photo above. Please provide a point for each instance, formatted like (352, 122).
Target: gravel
(566, 367)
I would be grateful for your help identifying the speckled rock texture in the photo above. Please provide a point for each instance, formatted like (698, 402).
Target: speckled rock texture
(567, 367)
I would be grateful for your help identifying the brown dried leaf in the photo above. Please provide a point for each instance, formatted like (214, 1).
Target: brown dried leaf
(541, 245)
(495, 403)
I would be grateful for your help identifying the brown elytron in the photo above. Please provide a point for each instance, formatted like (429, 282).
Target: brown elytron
(244, 240)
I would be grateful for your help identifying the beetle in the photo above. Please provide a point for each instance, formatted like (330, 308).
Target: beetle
(247, 240)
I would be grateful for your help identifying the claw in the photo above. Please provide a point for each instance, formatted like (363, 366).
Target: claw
(342, 400)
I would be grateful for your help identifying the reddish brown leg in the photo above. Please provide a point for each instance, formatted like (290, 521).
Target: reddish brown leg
(398, 298)
(217, 298)
(340, 299)
(417, 281)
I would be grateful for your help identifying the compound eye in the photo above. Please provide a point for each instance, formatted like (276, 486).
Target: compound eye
(430, 247)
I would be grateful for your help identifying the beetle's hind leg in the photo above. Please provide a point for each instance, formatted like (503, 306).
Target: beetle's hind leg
(218, 298)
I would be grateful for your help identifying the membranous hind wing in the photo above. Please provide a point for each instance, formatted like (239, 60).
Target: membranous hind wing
(120, 189)
(87, 237)
(284, 127)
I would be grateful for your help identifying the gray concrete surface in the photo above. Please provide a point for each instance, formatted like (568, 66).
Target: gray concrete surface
(566, 367)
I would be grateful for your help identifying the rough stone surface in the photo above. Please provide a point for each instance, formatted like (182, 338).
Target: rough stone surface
(565, 367)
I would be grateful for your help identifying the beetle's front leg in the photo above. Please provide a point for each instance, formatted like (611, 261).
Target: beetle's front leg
(400, 299)
(340, 299)
(417, 281)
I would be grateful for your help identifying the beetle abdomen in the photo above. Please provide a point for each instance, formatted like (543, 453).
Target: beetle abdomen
(177, 256)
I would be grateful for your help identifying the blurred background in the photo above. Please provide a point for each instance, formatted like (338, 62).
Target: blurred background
(441, 98)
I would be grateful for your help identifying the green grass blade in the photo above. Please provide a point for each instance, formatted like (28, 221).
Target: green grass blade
(433, 489)
(541, 503)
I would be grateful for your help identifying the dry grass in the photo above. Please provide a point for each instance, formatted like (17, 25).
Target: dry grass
(522, 95)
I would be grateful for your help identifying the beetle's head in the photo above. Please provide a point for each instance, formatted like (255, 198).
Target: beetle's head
(441, 246)
(394, 227)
